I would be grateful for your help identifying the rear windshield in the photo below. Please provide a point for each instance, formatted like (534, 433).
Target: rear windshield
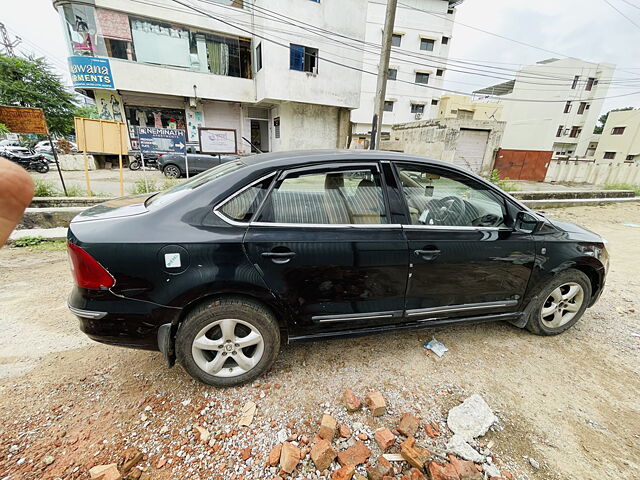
(183, 188)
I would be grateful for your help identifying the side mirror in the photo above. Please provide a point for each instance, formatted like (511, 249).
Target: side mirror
(527, 223)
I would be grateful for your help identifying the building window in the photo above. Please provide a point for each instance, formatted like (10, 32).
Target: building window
(427, 44)
(591, 81)
(276, 127)
(445, 40)
(434, 101)
(576, 79)
(417, 108)
(582, 107)
(575, 131)
(559, 131)
(439, 72)
(422, 78)
(630, 158)
(229, 56)
(259, 57)
(617, 130)
(450, 11)
(567, 107)
(609, 155)
(392, 74)
(388, 106)
(396, 40)
(303, 59)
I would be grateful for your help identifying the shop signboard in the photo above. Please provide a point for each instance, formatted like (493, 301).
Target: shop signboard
(218, 140)
(91, 72)
(23, 120)
(162, 140)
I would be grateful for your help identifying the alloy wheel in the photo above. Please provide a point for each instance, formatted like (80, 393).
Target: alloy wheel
(172, 171)
(561, 305)
(227, 348)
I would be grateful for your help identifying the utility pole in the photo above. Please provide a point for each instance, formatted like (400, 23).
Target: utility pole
(383, 72)
(6, 42)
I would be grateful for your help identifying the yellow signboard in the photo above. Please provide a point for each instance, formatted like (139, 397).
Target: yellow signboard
(23, 120)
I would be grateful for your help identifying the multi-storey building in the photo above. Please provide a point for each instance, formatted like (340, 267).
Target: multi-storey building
(553, 105)
(620, 138)
(420, 48)
(259, 67)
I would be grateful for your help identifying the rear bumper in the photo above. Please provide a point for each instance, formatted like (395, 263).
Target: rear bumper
(107, 318)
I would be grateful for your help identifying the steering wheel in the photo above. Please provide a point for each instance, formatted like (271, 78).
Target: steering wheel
(445, 211)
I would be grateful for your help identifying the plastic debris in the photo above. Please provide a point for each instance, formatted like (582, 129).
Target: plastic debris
(436, 347)
(629, 224)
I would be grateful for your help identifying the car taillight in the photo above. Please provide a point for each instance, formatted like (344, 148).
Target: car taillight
(87, 272)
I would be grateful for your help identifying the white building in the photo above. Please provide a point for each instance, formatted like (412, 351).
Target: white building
(235, 64)
(620, 138)
(421, 42)
(553, 105)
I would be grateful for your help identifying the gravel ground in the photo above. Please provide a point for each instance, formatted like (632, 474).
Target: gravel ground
(568, 404)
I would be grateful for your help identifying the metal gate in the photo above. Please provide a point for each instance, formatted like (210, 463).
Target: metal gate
(470, 149)
(523, 164)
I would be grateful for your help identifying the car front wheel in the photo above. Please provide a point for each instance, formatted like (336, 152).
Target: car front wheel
(172, 171)
(227, 342)
(560, 304)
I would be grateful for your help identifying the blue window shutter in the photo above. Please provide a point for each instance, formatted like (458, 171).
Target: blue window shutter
(296, 57)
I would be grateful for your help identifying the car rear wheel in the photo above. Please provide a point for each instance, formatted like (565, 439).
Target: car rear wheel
(560, 304)
(172, 171)
(228, 342)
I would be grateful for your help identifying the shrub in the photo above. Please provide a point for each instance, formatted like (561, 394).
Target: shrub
(501, 182)
(45, 189)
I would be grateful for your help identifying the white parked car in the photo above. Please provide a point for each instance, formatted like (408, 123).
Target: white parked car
(45, 147)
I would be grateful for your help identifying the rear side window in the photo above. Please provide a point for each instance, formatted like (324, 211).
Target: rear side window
(243, 206)
(327, 197)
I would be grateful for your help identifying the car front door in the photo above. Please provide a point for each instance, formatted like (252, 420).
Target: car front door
(465, 260)
(324, 244)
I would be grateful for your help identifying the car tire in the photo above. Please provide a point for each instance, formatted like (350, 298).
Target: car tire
(172, 171)
(546, 312)
(209, 342)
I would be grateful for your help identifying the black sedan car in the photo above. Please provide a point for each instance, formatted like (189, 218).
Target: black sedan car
(285, 247)
(175, 166)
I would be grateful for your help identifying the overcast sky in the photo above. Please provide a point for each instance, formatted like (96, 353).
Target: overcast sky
(587, 29)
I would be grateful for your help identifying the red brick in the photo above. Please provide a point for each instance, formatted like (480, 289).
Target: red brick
(442, 471)
(466, 470)
(351, 401)
(289, 457)
(384, 438)
(344, 431)
(363, 436)
(322, 455)
(328, 427)
(375, 402)
(344, 473)
(274, 455)
(408, 425)
(381, 469)
(414, 455)
(355, 455)
(415, 474)
(430, 431)
(246, 453)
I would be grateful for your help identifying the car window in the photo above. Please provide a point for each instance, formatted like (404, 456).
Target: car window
(450, 200)
(328, 197)
(243, 206)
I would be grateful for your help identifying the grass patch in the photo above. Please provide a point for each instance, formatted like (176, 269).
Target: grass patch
(624, 186)
(140, 187)
(501, 182)
(48, 189)
(40, 244)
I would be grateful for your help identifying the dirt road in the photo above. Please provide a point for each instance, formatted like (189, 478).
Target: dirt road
(569, 403)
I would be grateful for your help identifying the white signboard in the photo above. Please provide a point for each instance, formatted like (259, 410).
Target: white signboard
(218, 140)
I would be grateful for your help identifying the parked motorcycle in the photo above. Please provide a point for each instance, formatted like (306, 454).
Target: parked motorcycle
(37, 162)
(150, 161)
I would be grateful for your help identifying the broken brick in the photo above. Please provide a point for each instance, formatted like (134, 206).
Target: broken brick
(355, 455)
(408, 425)
(430, 431)
(415, 474)
(381, 469)
(105, 472)
(344, 431)
(322, 454)
(351, 401)
(384, 438)
(414, 455)
(466, 470)
(344, 473)
(375, 402)
(328, 426)
(289, 457)
(442, 471)
(132, 461)
(246, 453)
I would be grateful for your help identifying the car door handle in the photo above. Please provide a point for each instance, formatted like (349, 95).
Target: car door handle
(279, 257)
(428, 254)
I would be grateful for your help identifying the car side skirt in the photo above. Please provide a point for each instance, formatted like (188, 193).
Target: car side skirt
(429, 322)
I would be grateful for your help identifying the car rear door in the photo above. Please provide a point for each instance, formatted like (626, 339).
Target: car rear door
(324, 244)
(464, 260)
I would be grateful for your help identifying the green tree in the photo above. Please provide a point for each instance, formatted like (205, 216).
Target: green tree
(603, 118)
(87, 111)
(30, 82)
(3, 128)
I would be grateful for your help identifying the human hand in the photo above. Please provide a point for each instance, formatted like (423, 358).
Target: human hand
(16, 192)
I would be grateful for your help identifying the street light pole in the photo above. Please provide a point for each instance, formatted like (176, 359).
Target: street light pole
(383, 71)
